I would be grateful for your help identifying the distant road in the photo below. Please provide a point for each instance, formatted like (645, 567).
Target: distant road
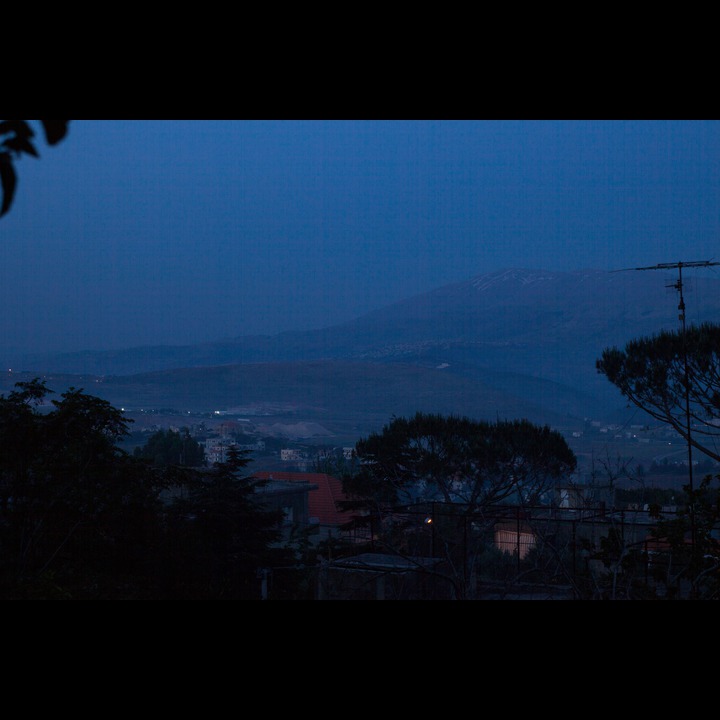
(659, 458)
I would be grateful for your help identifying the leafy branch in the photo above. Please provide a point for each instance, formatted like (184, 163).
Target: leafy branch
(16, 139)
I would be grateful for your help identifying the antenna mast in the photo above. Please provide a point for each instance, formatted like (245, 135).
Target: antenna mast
(681, 307)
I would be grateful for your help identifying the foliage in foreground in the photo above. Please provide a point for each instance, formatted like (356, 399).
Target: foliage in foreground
(82, 519)
(16, 140)
(428, 486)
(669, 375)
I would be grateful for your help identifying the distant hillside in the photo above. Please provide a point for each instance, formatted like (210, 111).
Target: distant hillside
(347, 398)
(510, 343)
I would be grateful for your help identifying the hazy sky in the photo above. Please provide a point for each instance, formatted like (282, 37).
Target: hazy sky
(135, 232)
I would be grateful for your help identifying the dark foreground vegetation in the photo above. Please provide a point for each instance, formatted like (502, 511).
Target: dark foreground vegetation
(82, 519)
(441, 507)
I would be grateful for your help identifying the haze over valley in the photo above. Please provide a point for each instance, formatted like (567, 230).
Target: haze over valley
(509, 344)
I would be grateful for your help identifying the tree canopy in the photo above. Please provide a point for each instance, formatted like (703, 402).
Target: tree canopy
(458, 460)
(16, 139)
(80, 518)
(665, 372)
(170, 447)
(430, 488)
(221, 533)
(77, 514)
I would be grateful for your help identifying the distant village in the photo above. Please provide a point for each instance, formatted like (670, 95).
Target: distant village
(219, 431)
(657, 448)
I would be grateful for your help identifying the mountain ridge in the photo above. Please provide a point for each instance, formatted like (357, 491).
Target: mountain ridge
(526, 306)
(526, 338)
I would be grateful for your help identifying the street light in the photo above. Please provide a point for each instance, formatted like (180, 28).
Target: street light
(430, 520)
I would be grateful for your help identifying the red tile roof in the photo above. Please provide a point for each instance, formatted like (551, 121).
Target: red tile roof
(322, 503)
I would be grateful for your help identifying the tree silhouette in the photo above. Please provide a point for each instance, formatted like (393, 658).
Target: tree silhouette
(16, 139)
(430, 486)
(220, 534)
(78, 516)
(654, 373)
(458, 460)
(169, 447)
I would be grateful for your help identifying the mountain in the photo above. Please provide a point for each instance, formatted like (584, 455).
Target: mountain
(510, 343)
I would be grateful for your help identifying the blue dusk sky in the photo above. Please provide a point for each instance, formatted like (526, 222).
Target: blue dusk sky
(173, 232)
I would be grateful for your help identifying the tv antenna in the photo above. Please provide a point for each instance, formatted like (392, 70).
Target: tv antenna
(678, 285)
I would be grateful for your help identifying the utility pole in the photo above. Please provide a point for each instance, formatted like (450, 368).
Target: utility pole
(681, 307)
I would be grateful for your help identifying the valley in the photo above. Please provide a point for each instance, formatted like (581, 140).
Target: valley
(516, 344)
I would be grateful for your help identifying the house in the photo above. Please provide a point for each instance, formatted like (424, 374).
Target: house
(290, 454)
(324, 493)
(512, 537)
(291, 498)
